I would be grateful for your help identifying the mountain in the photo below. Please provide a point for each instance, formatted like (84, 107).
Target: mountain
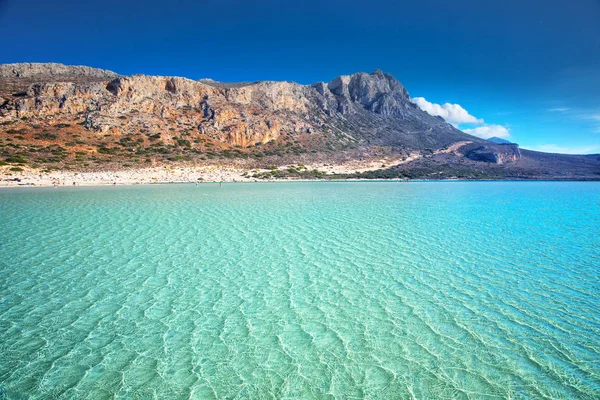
(498, 140)
(55, 117)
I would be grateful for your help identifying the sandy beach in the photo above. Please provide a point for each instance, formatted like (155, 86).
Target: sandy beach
(35, 178)
(30, 177)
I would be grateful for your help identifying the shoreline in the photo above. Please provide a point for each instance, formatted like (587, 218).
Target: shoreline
(279, 180)
(97, 184)
(31, 177)
(179, 174)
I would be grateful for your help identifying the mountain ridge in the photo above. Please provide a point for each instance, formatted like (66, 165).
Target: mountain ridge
(27, 70)
(117, 120)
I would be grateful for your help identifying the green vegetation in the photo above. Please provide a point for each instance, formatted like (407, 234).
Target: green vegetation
(46, 136)
(107, 150)
(16, 159)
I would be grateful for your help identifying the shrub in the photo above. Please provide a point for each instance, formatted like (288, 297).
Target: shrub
(16, 159)
(46, 136)
(107, 150)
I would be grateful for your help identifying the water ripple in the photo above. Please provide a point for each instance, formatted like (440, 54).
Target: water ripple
(306, 290)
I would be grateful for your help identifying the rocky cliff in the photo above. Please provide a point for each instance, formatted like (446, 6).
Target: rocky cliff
(52, 71)
(505, 153)
(103, 115)
(350, 110)
(15, 78)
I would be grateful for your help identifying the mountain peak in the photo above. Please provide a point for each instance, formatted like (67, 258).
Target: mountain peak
(377, 92)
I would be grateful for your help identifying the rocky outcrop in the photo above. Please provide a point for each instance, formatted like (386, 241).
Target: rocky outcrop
(377, 92)
(497, 154)
(15, 78)
(48, 71)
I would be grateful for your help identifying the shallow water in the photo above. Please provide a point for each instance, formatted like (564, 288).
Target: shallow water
(301, 290)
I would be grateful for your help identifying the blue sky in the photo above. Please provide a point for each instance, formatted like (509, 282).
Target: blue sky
(527, 69)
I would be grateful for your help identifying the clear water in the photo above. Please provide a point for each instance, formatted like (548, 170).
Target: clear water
(302, 290)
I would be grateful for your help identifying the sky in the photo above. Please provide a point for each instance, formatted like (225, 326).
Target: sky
(524, 70)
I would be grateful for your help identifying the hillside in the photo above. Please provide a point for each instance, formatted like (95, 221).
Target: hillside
(55, 117)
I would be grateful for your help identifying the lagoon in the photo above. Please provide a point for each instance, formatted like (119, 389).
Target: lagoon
(301, 290)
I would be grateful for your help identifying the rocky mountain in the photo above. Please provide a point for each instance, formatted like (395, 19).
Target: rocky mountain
(58, 116)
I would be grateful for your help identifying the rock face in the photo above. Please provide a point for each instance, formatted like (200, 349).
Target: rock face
(505, 153)
(355, 112)
(377, 92)
(51, 70)
(15, 78)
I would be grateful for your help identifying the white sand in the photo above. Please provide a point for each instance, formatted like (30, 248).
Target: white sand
(168, 174)
(33, 177)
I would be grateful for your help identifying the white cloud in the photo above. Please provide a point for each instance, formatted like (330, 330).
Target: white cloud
(594, 117)
(553, 148)
(452, 113)
(559, 109)
(455, 114)
(488, 131)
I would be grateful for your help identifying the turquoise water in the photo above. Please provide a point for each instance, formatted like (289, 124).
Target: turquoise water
(383, 290)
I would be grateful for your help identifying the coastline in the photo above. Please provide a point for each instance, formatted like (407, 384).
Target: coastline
(34, 178)
(31, 178)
